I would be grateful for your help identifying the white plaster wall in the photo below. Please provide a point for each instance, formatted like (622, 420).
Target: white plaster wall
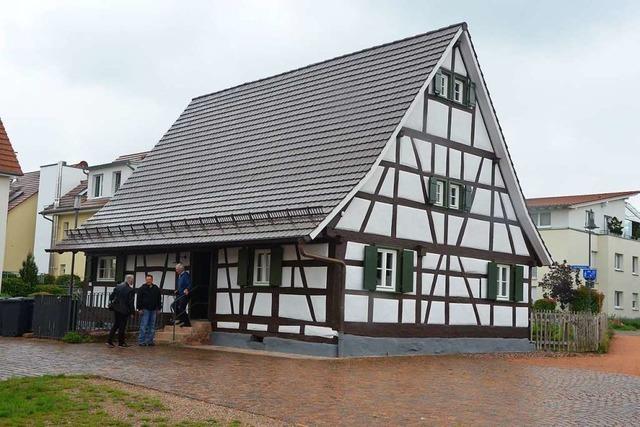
(353, 216)
(388, 184)
(501, 238)
(476, 235)
(522, 317)
(416, 115)
(228, 325)
(371, 185)
(424, 153)
(455, 225)
(354, 277)
(413, 224)
(460, 126)
(436, 314)
(407, 156)
(410, 187)
(356, 308)
(485, 173)
(481, 136)
(438, 225)
(459, 64)
(385, 310)
(455, 164)
(289, 329)
(518, 240)
(502, 316)
(408, 311)
(380, 219)
(294, 307)
(508, 207)
(440, 164)
(257, 327)
(107, 179)
(355, 251)
(461, 314)
(484, 312)
(457, 287)
(437, 118)
(471, 165)
(482, 202)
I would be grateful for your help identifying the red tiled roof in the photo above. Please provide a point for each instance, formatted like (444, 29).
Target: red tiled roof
(23, 188)
(66, 201)
(577, 199)
(8, 161)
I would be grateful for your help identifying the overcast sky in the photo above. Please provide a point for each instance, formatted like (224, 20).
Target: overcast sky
(89, 80)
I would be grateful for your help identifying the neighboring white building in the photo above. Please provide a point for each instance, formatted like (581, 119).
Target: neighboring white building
(561, 222)
(9, 168)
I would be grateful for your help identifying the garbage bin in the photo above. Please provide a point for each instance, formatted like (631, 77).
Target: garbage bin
(16, 316)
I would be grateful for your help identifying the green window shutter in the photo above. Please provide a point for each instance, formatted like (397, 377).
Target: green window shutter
(467, 200)
(406, 268)
(370, 267)
(243, 267)
(445, 196)
(472, 94)
(433, 189)
(517, 283)
(121, 261)
(437, 87)
(275, 276)
(492, 280)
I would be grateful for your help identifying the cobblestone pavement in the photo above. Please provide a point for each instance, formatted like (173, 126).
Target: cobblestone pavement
(376, 391)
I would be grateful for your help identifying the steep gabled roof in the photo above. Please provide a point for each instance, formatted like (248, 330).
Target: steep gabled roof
(66, 203)
(285, 150)
(8, 161)
(22, 188)
(566, 201)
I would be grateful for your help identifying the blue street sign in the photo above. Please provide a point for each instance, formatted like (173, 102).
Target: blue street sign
(590, 274)
(579, 267)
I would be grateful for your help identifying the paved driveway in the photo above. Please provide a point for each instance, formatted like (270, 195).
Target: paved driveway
(382, 391)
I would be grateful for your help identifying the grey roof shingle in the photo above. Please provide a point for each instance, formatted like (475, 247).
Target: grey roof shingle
(299, 139)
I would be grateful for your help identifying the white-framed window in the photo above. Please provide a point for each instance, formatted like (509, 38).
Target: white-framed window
(634, 265)
(634, 301)
(97, 185)
(541, 219)
(262, 267)
(106, 269)
(617, 300)
(440, 187)
(458, 91)
(117, 178)
(454, 196)
(617, 262)
(444, 85)
(386, 269)
(63, 268)
(503, 282)
(534, 273)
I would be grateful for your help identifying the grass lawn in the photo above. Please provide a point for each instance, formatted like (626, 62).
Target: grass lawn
(90, 401)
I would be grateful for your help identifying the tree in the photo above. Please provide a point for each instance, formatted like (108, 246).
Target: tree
(561, 282)
(615, 226)
(29, 271)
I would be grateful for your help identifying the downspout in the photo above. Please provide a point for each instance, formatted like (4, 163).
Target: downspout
(341, 284)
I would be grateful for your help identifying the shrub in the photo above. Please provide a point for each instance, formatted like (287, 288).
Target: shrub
(545, 304)
(587, 299)
(622, 324)
(49, 289)
(46, 279)
(561, 282)
(73, 337)
(15, 287)
(29, 271)
(64, 280)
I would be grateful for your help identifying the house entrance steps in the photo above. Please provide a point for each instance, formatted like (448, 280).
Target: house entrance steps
(197, 333)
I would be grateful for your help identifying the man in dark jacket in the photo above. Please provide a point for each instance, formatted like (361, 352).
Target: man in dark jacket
(183, 294)
(121, 302)
(148, 305)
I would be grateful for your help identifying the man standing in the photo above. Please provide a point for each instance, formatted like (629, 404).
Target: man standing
(121, 303)
(148, 304)
(182, 298)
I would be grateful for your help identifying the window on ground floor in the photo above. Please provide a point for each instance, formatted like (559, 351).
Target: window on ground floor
(534, 273)
(386, 269)
(106, 269)
(262, 267)
(634, 265)
(634, 301)
(503, 282)
(617, 300)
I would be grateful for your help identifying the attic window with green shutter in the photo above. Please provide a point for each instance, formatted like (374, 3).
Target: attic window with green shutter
(450, 194)
(455, 87)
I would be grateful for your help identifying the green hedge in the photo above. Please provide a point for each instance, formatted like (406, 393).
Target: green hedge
(587, 299)
(545, 304)
(49, 289)
(65, 279)
(15, 287)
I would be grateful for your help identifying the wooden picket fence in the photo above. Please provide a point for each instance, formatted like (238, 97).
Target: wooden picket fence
(567, 331)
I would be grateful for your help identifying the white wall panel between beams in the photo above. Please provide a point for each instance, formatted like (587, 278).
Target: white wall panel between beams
(413, 224)
(438, 224)
(502, 316)
(408, 311)
(498, 177)
(380, 219)
(501, 238)
(407, 156)
(471, 165)
(437, 118)
(436, 314)
(355, 251)
(440, 167)
(354, 277)
(410, 187)
(482, 202)
(371, 185)
(353, 216)
(508, 207)
(455, 225)
(461, 126)
(424, 153)
(385, 310)
(356, 308)
(390, 155)
(522, 317)
(458, 287)
(416, 115)
(481, 137)
(459, 64)
(476, 235)
(461, 314)
(388, 184)
(294, 307)
(484, 312)
(455, 164)
(518, 240)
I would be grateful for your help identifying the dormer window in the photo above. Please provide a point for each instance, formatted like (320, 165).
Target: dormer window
(455, 87)
(117, 178)
(458, 91)
(97, 186)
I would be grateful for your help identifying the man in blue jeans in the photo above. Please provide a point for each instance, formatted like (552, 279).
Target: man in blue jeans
(148, 304)
(182, 296)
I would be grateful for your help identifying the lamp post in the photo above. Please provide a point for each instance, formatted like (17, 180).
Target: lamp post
(76, 210)
(590, 225)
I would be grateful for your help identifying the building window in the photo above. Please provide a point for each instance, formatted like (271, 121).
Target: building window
(386, 270)
(454, 196)
(97, 186)
(440, 185)
(63, 268)
(442, 85)
(534, 273)
(458, 91)
(503, 282)
(117, 177)
(106, 269)
(541, 219)
(617, 262)
(634, 301)
(262, 267)
(64, 231)
(634, 265)
(618, 300)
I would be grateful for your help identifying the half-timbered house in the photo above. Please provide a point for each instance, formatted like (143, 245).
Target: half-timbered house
(362, 205)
